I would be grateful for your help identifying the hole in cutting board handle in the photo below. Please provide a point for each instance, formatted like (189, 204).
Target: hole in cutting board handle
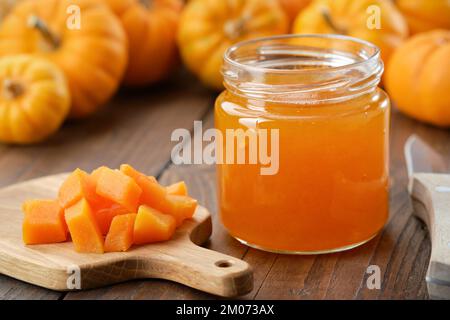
(223, 264)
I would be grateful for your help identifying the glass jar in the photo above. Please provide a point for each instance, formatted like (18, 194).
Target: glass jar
(308, 171)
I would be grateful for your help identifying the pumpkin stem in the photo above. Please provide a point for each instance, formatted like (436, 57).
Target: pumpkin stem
(11, 89)
(36, 23)
(329, 20)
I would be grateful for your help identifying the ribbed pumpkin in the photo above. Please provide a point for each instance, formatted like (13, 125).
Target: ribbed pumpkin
(93, 57)
(209, 27)
(34, 99)
(352, 18)
(151, 26)
(425, 15)
(418, 77)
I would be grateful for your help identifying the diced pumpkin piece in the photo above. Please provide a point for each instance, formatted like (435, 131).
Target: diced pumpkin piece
(179, 189)
(153, 226)
(83, 228)
(180, 207)
(105, 215)
(77, 186)
(119, 188)
(95, 174)
(153, 194)
(44, 222)
(121, 234)
(81, 185)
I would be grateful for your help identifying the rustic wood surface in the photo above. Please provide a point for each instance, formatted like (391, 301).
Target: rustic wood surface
(136, 127)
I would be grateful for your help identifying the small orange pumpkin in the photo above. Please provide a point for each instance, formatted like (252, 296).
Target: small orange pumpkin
(418, 77)
(34, 99)
(151, 27)
(92, 54)
(353, 18)
(209, 27)
(425, 15)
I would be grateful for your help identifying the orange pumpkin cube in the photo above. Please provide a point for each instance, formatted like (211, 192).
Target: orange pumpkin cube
(153, 226)
(121, 234)
(105, 215)
(119, 188)
(44, 222)
(180, 207)
(179, 189)
(153, 194)
(86, 234)
(95, 174)
(77, 186)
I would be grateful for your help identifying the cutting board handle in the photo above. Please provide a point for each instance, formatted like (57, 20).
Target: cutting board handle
(431, 193)
(206, 270)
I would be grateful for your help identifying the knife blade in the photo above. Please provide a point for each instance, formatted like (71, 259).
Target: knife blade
(429, 187)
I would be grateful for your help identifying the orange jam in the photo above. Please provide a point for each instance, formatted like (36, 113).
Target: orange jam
(320, 93)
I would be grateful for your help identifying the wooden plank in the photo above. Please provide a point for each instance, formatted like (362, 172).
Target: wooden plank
(135, 128)
(401, 250)
(11, 289)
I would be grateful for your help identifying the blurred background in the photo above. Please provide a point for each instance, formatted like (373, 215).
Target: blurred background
(100, 46)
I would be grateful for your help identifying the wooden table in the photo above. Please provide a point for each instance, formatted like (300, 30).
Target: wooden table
(136, 128)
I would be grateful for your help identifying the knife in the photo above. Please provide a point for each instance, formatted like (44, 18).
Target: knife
(429, 187)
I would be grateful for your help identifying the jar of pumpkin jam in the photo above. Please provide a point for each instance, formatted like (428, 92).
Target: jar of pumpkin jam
(308, 171)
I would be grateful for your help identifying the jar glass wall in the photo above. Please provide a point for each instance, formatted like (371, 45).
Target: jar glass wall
(315, 101)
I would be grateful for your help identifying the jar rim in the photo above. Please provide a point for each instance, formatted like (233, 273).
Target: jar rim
(233, 48)
(316, 68)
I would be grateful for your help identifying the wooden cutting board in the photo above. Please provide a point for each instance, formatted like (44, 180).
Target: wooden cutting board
(59, 267)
